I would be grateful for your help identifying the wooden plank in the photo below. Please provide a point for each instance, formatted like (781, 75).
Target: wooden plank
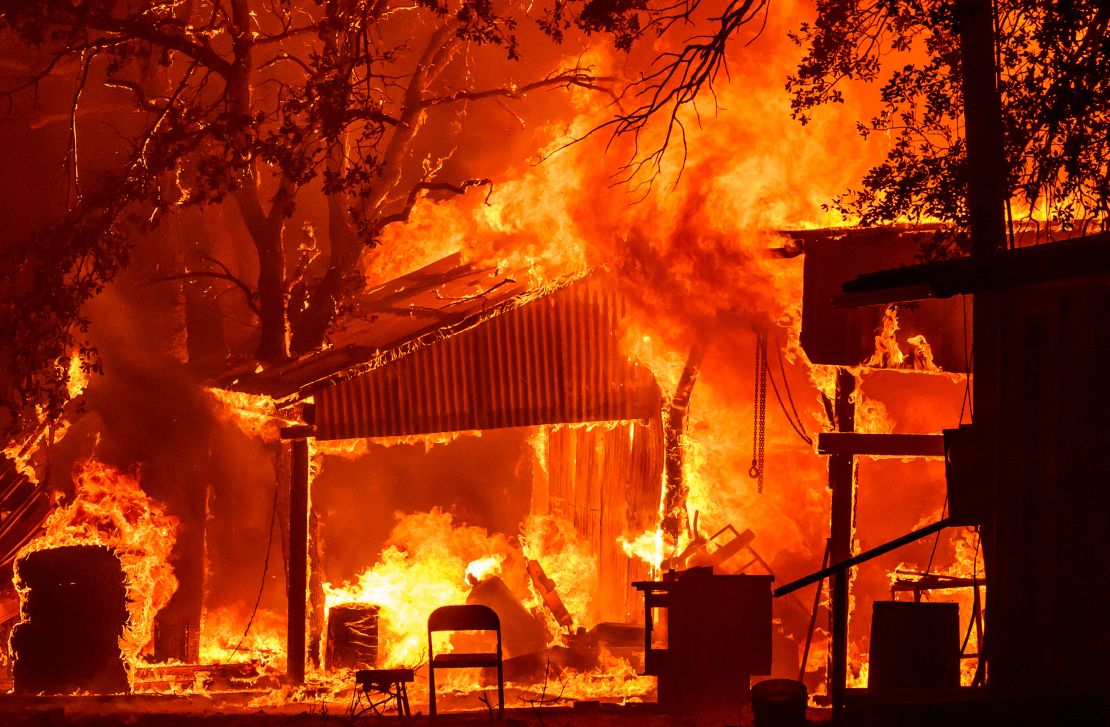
(298, 563)
(296, 431)
(1068, 259)
(881, 445)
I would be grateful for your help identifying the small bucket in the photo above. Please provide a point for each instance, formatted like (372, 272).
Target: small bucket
(779, 703)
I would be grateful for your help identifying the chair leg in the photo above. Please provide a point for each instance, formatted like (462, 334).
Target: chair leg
(403, 701)
(431, 689)
(500, 692)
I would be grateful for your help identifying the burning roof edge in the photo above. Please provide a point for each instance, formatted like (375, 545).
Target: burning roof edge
(291, 381)
(426, 338)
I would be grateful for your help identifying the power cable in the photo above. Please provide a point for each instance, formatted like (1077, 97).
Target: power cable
(265, 571)
(795, 421)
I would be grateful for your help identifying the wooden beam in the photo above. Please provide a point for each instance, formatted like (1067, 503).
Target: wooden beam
(1079, 257)
(881, 445)
(842, 482)
(297, 431)
(298, 563)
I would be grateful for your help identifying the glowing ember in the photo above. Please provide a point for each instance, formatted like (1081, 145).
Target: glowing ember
(109, 508)
(226, 639)
(355, 448)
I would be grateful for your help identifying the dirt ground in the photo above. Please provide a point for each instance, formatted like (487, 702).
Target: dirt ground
(50, 712)
(236, 710)
(144, 710)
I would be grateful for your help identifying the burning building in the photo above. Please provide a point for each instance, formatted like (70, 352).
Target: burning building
(454, 349)
(355, 393)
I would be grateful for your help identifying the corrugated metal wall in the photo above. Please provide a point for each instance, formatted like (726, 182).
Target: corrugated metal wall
(553, 360)
(606, 480)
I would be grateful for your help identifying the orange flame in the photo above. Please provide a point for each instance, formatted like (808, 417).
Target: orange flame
(255, 414)
(423, 567)
(888, 354)
(483, 568)
(77, 379)
(555, 544)
(224, 629)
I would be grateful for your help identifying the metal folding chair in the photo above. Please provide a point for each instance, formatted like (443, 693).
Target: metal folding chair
(464, 618)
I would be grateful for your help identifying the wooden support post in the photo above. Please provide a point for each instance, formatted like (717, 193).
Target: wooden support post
(842, 482)
(298, 563)
(986, 197)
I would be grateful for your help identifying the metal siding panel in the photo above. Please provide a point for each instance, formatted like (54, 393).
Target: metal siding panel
(556, 359)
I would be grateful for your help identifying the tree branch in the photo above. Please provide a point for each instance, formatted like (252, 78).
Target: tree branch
(676, 83)
(414, 194)
(248, 293)
(564, 79)
(203, 53)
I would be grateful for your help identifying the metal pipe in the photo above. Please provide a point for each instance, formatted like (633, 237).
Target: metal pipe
(863, 557)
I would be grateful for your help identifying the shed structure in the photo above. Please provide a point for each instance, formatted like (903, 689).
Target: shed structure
(453, 347)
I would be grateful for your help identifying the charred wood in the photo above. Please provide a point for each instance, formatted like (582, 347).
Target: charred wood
(674, 521)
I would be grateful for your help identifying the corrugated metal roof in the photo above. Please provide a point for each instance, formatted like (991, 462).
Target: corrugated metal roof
(23, 509)
(423, 304)
(555, 358)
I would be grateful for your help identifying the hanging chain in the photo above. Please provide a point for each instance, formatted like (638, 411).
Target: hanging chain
(759, 411)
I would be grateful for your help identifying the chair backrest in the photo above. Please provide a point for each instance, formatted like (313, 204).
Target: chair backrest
(472, 617)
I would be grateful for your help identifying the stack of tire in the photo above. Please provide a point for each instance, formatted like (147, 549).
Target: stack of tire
(74, 612)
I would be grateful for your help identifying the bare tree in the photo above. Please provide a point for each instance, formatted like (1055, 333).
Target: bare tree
(260, 102)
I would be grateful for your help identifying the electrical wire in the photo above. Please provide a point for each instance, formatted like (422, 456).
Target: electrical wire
(795, 421)
(936, 541)
(265, 571)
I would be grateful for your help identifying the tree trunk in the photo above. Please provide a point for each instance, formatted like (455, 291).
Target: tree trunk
(317, 305)
(271, 297)
(266, 228)
(674, 522)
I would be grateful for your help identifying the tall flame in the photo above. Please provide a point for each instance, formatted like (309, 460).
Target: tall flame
(77, 378)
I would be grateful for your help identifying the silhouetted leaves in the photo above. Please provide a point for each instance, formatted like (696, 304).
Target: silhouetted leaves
(1055, 85)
